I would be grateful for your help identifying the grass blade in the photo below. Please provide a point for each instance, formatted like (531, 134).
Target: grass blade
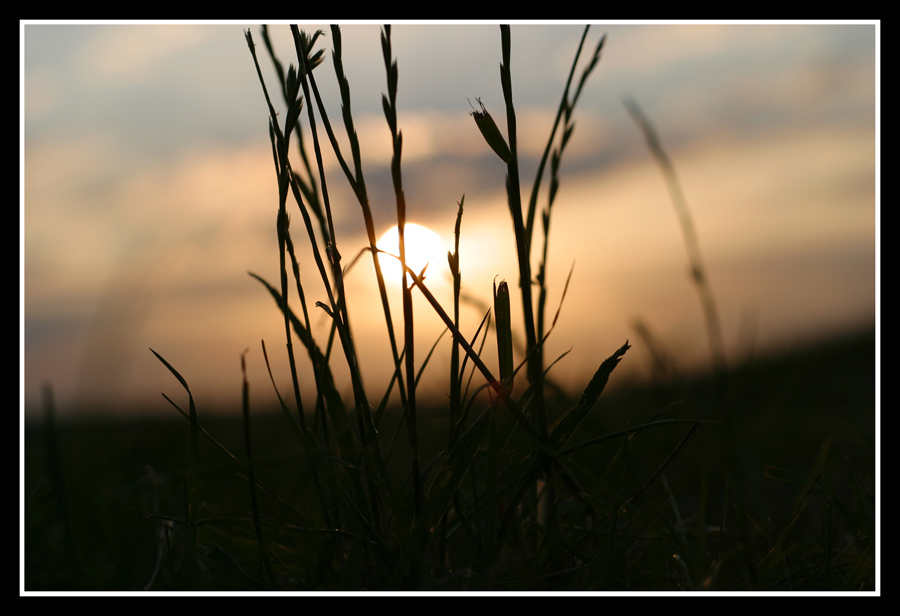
(248, 442)
(566, 426)
(192, 482)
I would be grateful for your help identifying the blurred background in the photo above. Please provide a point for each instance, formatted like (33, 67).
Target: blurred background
(148, 194)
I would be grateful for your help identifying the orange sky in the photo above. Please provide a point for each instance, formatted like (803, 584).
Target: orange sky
(149, 193)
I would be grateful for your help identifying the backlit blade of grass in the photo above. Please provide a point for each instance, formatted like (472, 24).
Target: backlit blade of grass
(698, 273)
(522, 248)
(225, 450)
(368, 434)
(565, 111)
(308, 186)
(566, 107)
(638, 428)
(418, 377)
(531, 388)
(335, 405)
(192, 479)
(389, 102)
(455, 374)
(303, 45)
(440, 492)
(357, 182)
(279, 141)
(566, 427)
(485, 324)
(304, 437)
(465, 400)
(251, 472)
(485, 371)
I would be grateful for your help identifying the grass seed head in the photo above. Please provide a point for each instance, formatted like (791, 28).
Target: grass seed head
(490, 131)
(504, 334)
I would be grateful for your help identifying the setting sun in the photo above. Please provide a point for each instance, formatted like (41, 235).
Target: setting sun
(422, 246)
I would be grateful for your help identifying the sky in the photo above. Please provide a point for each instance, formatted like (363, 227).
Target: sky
(148, 193)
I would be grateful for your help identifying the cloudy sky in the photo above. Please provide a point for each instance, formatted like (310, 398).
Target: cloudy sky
(148, 193)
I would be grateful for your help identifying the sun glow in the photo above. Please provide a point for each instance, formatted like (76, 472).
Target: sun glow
(422, 246)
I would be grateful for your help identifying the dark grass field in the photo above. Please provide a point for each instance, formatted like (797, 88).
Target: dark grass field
(794, 480)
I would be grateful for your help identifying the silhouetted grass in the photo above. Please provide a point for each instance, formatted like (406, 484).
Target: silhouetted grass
(123, 485)
(496, 490)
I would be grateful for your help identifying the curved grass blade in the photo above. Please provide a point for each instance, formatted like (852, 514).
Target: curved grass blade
(440, 492)
(192, 478)
(251, 472)
(333, 401)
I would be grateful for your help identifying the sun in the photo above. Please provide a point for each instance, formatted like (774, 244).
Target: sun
(422, 246)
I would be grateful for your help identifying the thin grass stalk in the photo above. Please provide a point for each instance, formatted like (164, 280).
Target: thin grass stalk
(664, 464)
(282, 248)
(248, 443)
(192, 493)
(465, 400)
(374, 456)
(314, 360)
(279, 151)
(337, 411)
(357, 183)
(486, 326)
(390, 111)
(339, 306)
(289, 86)
(368, 435)
(224, 450)
(564, 107)
(563, 430)
(326, 515)
(300, 433)
(702, 510)
(418, 377)
(508, 153)
(492, 382)
(522, 250)
(317, 255)
(545, 218)
(309, 187)
(286, 173)
(564, 112)
(455, 376)
(338, 303)
(337, 406)
(533, 352)
(192, 482)
(568, 451)
(692, 245)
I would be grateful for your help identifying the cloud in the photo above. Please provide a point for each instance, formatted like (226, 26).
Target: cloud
(130, 55)
(154, 181)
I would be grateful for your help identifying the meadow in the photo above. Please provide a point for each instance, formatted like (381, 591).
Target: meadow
(754, 477)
